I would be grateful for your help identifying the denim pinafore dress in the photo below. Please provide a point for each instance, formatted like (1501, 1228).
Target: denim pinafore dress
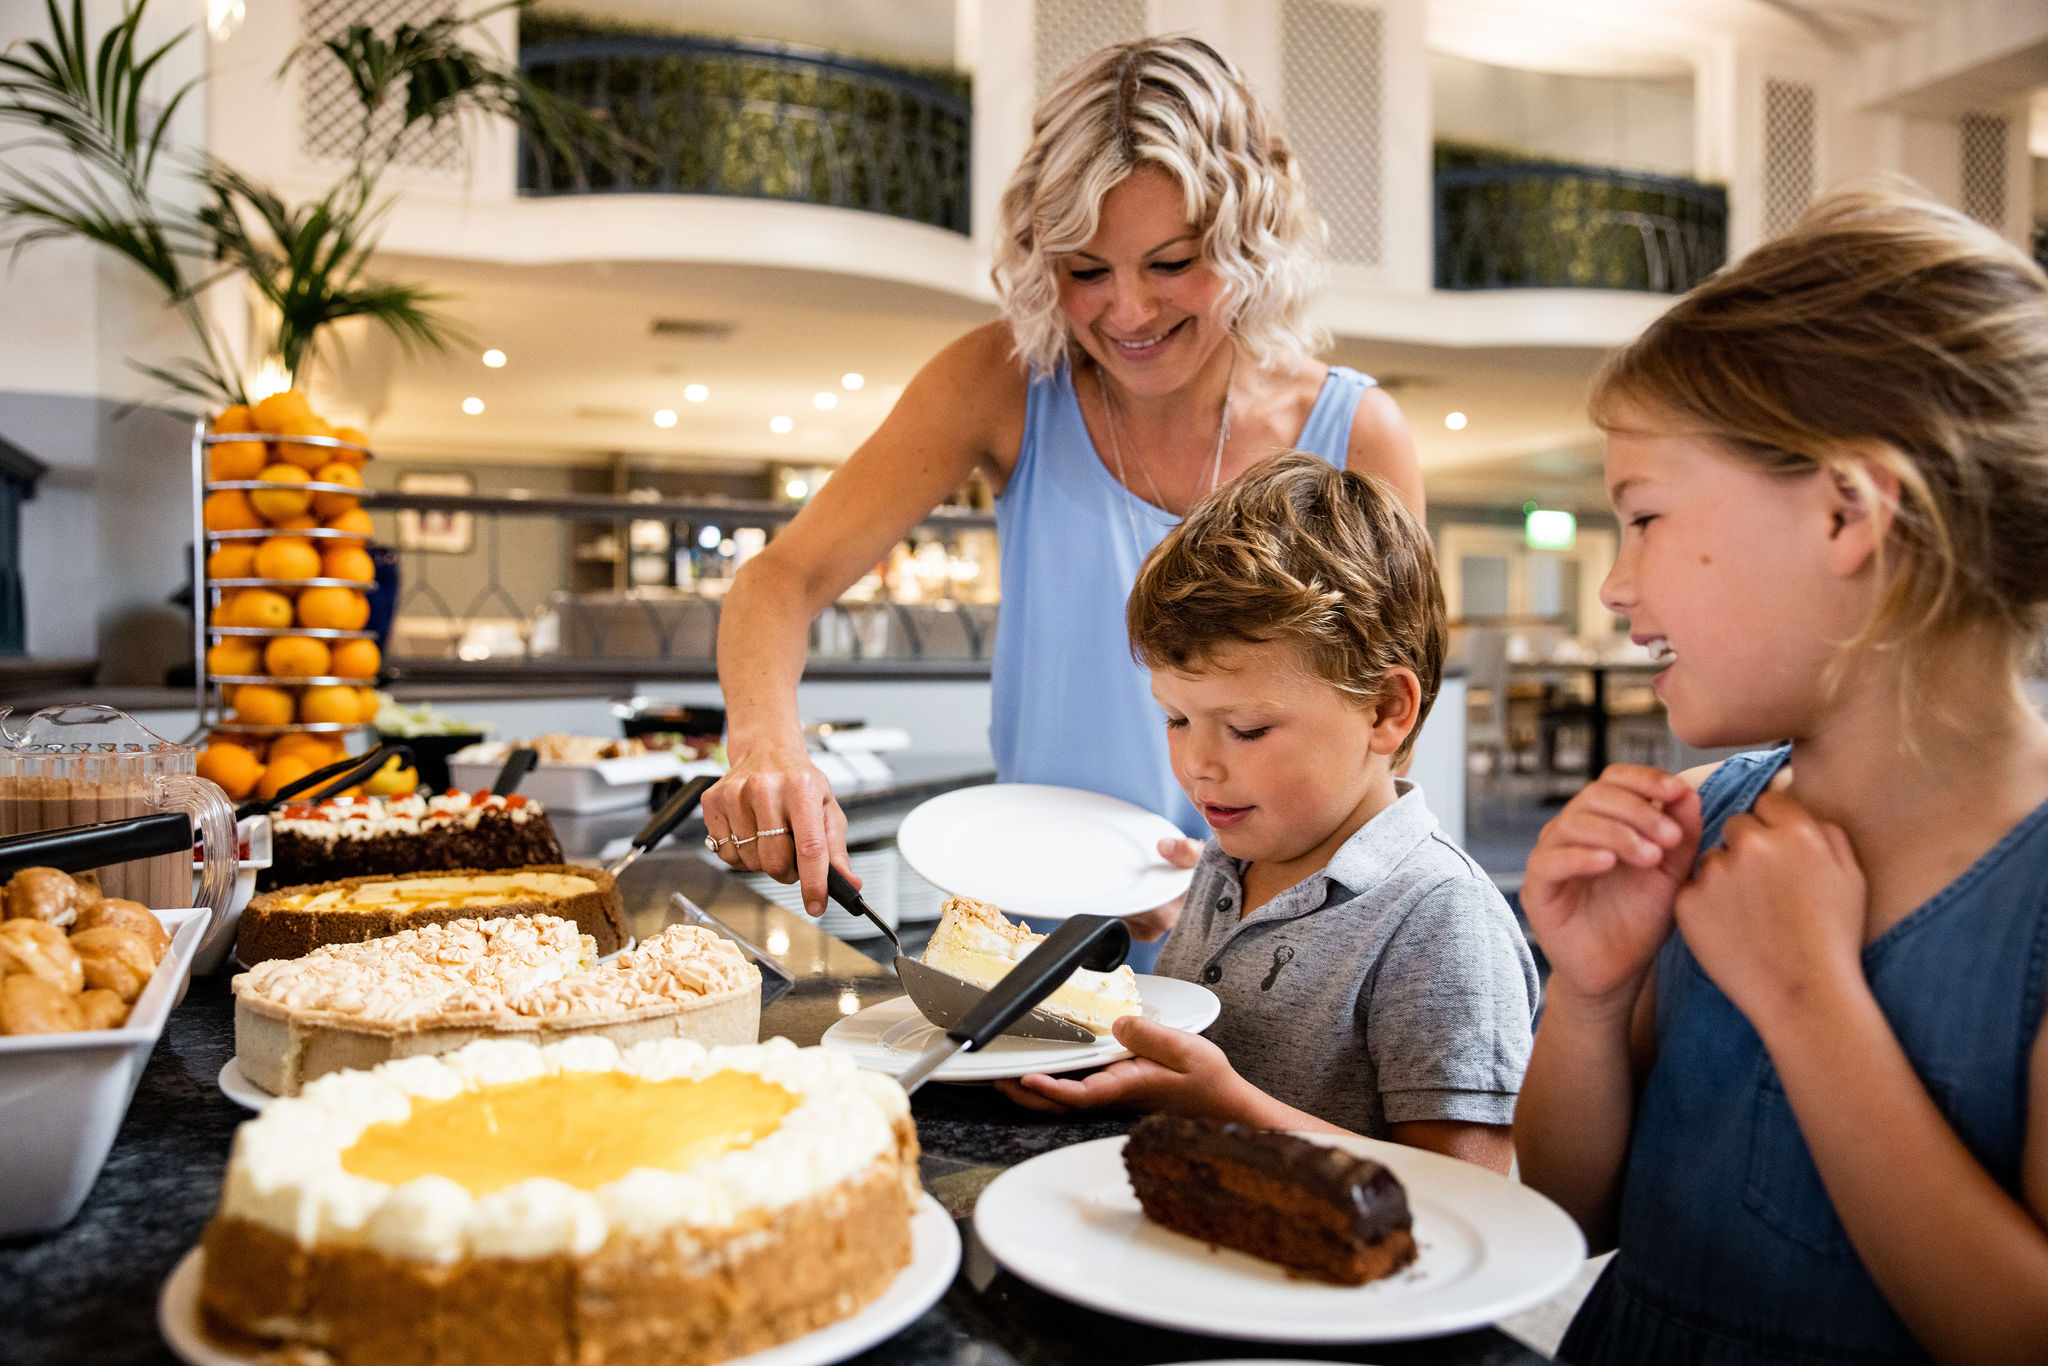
(1730, 1251)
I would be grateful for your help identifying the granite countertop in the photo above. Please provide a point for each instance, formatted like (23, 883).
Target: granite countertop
(87, 1293)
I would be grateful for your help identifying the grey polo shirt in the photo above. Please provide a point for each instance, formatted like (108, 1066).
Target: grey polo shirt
(1394, 985)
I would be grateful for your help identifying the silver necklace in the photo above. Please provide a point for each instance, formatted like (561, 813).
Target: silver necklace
(1116, 450)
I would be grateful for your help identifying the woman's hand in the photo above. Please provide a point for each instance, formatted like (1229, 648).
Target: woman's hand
(1601, 881)
(780, 789)
(1775, 915)
(1148, 926)
(1174, 1071)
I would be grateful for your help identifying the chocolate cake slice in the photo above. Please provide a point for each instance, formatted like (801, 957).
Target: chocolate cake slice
(381, 836)
(1316, 1210)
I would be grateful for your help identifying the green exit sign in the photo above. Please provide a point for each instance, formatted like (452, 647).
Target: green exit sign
(1549, 529)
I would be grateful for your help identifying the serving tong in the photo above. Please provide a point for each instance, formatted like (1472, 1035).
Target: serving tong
(335, 777)
(76, 848)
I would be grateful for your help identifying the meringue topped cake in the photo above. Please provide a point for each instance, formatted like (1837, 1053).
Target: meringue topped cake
(976, 942)
(569, 1205)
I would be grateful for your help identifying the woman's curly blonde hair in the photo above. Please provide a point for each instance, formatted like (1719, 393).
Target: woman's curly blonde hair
(1177, 104)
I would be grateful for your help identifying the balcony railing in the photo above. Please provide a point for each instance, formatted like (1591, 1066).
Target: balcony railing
(758, 121)
(1550, 225)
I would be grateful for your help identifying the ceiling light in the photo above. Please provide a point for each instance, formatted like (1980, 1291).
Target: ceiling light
(472, 406)
(796, 488)
(494, 358)
(781, 426)
(825, 400)
(709, 537)
(696, 393)
(852, 379)
(665, 417)
(1455, 421)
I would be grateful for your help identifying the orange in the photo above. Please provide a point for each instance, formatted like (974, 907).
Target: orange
(330, 702)
(334, 504)
(236, 460)
(234, 768)
(230, 510)
(259, 704)
(274, 505)
(275, 413)
(355, 520)
(305, 455)
(333, 609)
(295, 657)
(233, 419)
(260, 607)
(371, 703)
(287, 557)
(347, 457)
(289, 769)
(234, 655)
(317, 750)
(232, 560)
(347, 560)
(356, 659)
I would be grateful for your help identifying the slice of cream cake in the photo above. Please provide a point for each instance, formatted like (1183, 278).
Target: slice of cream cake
(975, 941)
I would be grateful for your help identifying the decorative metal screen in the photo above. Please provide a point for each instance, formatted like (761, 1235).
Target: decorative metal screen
(1065, 31)
(1983, 148)
(1791, 165)
(330, 115)
(1331, 56)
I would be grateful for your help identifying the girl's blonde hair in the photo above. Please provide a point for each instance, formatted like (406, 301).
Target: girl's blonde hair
(1177, 104)
(1881, 328)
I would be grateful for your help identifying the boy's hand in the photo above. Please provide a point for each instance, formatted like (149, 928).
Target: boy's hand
(1775, 915)
(1174, 1071)
(1154, 924)
(1602, 878)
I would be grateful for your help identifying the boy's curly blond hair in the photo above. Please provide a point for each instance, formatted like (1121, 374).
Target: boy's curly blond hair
(1293, 550)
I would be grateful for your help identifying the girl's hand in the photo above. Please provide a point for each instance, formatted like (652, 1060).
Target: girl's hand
(1600, 883)
(1174, 1071)
(1154, 924)
(1775, 915)
(779, 788)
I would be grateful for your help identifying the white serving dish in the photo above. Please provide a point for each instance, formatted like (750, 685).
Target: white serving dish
(62, 1096)
(254, 833)
(606, 785)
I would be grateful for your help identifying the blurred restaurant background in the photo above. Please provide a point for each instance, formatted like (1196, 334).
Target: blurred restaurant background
(665, 343)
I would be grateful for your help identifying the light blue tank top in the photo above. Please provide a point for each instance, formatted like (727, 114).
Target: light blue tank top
(1731, 1253)
(1070, 705)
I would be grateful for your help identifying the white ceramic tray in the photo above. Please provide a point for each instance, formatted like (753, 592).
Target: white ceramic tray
(606, 785)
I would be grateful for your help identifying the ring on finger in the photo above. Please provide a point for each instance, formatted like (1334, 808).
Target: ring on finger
(778, 830)
(715, 844)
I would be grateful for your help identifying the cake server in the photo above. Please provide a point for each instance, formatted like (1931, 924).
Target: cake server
(853, 903)
(673, 813)
(335, 777)
(1097, 942)
(775, 978)
(518, 764)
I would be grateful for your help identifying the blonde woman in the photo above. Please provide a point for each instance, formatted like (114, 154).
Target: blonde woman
(1154, 262)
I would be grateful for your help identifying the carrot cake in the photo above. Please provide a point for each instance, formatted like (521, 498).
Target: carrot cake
(436, 988)
(293, 921)
(664, 1205)
(974, 940)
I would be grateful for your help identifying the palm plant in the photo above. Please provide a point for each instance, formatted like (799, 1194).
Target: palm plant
(84, 99)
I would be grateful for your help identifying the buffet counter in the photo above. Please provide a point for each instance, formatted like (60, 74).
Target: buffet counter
(88, 1292)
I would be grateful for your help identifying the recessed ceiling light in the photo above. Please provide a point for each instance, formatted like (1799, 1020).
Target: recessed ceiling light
(852, 379)
(696, 393)
(781, 426)
(494, 358)
(1455, 421)
(665, 417)
(825, 400)
(472, 406)
(709, 537)
(796, 488)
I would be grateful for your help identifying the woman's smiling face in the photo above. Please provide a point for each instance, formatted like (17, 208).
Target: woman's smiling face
(1140, 298)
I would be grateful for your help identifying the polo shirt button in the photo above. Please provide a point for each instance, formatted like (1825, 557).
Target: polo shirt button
(1212, 973)
(1223, 903)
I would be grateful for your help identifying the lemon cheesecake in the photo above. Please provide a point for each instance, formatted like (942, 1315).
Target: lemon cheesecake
(568, 1205)
(293, 921)
(436, 988)
(975, 941)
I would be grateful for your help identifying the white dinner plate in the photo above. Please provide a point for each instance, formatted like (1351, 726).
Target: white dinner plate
(890, 1035)
(240, 1089)
(1043, 851)
(1068, 1222)
(934, 1257)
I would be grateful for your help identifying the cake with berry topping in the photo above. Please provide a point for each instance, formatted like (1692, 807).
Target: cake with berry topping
(380, 836)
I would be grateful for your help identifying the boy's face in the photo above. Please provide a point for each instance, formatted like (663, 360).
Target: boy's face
(1282, 765)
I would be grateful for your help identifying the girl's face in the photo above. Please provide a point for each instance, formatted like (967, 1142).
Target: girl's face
(1139, 298)
(1733, 575)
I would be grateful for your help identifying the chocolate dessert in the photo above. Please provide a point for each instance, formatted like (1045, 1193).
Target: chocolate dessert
(1316, 1210)
(379, 837)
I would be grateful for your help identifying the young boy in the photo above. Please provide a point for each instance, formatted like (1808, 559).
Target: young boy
(1372, 979)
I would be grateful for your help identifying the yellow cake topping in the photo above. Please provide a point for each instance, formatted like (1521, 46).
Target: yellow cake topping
(584, 1129)
(464, 889)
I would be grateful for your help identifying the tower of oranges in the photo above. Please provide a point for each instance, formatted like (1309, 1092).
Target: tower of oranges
(288, 559)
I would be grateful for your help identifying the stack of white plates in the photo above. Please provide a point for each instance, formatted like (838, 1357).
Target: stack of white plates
(917, 901)
(876, 870)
